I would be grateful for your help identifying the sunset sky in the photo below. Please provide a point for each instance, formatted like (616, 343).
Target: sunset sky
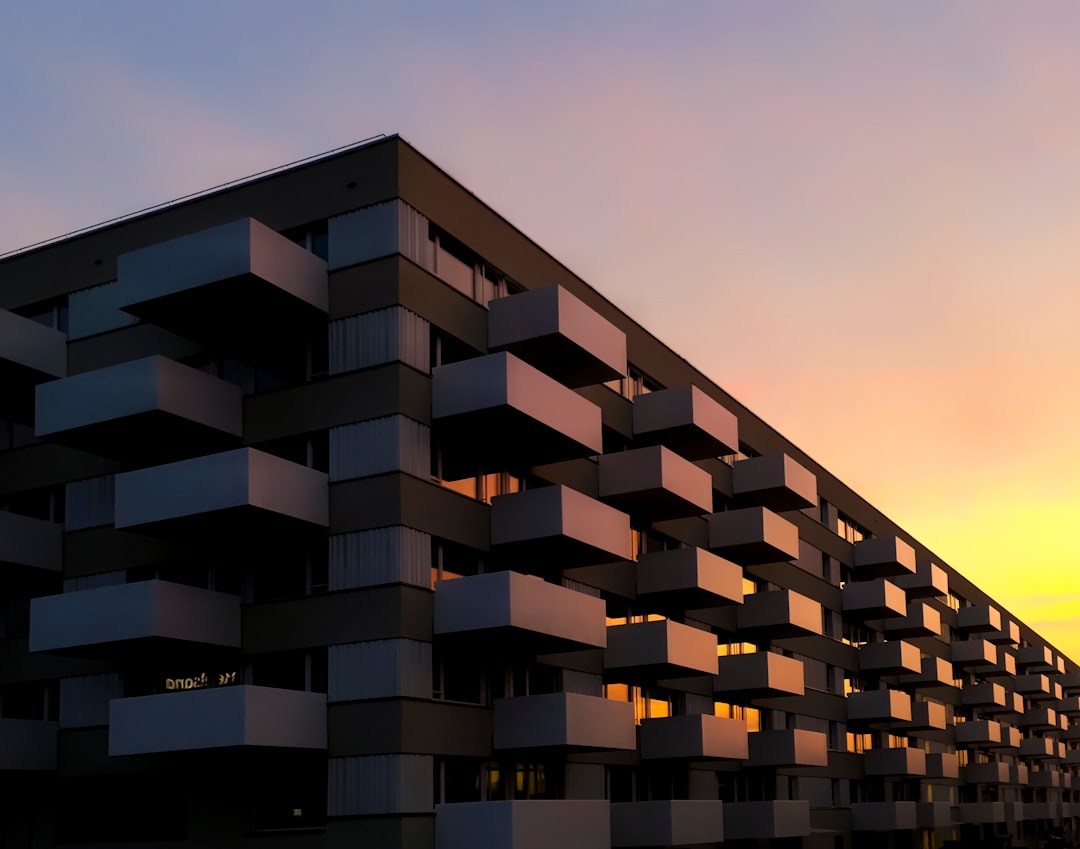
(860, 218)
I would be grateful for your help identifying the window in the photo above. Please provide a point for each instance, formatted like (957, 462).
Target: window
(751, 716)
(635, 383)
(849, 529)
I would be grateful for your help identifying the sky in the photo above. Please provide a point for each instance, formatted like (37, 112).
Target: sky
(860, 218)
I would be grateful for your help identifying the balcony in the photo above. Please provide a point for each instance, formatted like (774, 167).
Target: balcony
(1070, 706)
(555, 527)
(929, 581)
(27, 745)
(752, 536)
(933, 815)
(744, 678)
(643, 652)
(1003, 669)
(558, 334)
(518, 613)
(151, 407)
(884, 557)
(1019, 775)
(1042, 811)
(926, 716)
(894, 762)
(883, 816)
(687, 579)
(239, 494)
(28, 543)
(778, 614)
(1041, 748)
(766, 820)
(498, 412)
(979, 733)
(934, 672)
(654, 484)
(1040, 719)
(1070, 683)
(980, 813)
(1038, 688)
(774, 481)
(30, 353)
(1072, 757)
(233, 286)
(987, 696)
(879, 599)
(148, 617)
(879, 707)
(921, 621)
(1009, 635)
(524, 824)
(674, 822)
(789, 747)
(1037, 659)
(1046, 777)
(687, 421)
(978, 619)
(973, 653)
(565, 721)
(1010, 738)
(693, 738)
(942, 766)
(895, 657)
(995, 772)
(217, 718)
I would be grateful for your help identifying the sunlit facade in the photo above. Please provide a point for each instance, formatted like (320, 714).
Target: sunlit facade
(333, 510)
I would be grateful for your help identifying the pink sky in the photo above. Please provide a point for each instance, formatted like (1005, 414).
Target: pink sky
(859, 218)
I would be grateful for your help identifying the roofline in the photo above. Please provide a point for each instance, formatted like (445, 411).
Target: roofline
(198, 195)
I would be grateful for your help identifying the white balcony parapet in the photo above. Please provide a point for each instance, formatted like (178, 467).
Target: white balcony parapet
(775, 481)
(242, 481)
(501, 394)
(778, 614)
(524, 824)
(743, 678)
(879, 706)
(788, 747)
(928, 581)
(689, 578)
(564, 720)
(883, 816)
(557, 527)
(895, 657)
(148, 610)
(877, 599)
(217, 718)
(884, 557)
(753, 535)
(766, 820)
(30, 353)
(658, 649)
(895, 762)
(234, 284)
(694, 737)
(667, 822)
(687, 421)
(654, 483)
(27, 745)
(153, 402)
(559, 334)
(508, 608)
(26, 542)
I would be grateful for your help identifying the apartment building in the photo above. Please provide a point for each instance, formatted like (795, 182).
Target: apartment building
(335, 512)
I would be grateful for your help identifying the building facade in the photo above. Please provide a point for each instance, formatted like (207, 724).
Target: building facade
(335, 512)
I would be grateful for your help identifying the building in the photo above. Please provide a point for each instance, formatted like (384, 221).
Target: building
(335, 512)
